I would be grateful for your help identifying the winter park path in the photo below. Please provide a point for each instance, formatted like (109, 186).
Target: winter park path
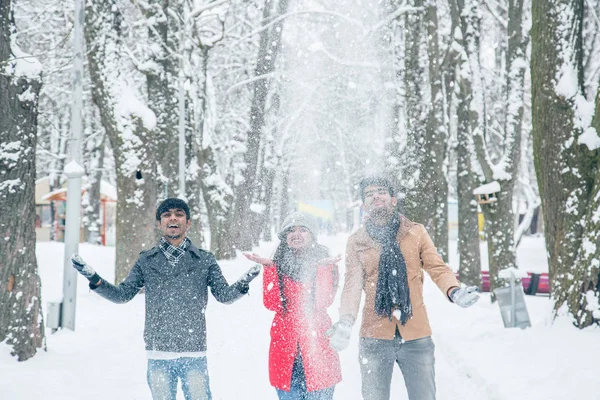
(476, 357)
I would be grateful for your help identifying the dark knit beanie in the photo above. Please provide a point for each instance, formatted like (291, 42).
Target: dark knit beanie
(375, 181)
(172, 203)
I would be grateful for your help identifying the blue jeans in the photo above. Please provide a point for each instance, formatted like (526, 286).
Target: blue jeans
(415, 359)
(193, 372)
(298, 386)
(299, 394)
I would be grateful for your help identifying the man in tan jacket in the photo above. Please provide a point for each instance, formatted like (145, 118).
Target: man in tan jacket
(387, 258)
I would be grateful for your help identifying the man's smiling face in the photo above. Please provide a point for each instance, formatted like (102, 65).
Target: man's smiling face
(378, 201)
(174, 223)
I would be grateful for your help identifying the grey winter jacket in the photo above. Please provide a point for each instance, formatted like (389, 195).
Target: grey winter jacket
(176, 297)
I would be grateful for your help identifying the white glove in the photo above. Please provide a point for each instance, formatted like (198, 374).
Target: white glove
(85, 270)
(465, 296)
(339, 333)
(81, 266)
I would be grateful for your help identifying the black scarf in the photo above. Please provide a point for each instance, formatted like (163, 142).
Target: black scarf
(392, 282)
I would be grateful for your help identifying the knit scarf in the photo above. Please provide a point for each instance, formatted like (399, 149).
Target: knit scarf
(173, 253)
(392, 282)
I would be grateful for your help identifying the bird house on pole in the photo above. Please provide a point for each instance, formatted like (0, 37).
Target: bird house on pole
(488, 193)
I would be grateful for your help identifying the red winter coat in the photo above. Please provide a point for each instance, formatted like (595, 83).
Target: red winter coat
(302, 327)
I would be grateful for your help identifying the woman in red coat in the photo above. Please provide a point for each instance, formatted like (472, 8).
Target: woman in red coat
(299, 284)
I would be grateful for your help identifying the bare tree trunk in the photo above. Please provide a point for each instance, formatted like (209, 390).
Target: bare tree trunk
(416, 114)
(499, 216)
(21, 320)
(161, 84)
(193, 188)
(270, 43)
(468, 123)
(194, 147)
(284, 201)
(420, 172)
(468, 228)
(218, 197)
(58, 144)
(216, 194)
(433, 184)
(129, 133)
(564, 159)
(92, 221)
(266, 222)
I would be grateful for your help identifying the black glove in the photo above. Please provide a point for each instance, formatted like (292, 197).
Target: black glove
(243, 283)
(84, 269)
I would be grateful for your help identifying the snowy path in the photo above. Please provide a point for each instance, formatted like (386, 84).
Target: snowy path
(248, 363)
(476, 358)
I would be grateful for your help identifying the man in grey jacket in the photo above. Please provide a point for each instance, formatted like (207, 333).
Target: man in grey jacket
(176, 276)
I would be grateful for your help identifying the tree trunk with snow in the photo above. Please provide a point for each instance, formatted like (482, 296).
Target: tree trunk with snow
(92, 219)
(566, 157)
(195, 114)
(193, 188)
(21, 320)
(432, 187)
(468, 228)
(422, 177)
(270, 43)
(266, 216)
(128, 124)
(215, 192)
(499, 216)
(162, 86)
(469, 123)
(218, 198)
(284, 194)
(414, 67)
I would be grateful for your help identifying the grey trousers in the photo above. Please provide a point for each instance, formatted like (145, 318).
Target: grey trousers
(415, 359)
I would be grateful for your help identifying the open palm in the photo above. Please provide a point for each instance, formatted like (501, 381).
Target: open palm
(258, 259)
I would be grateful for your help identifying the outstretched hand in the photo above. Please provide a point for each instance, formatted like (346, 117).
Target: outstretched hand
(339, 333)
(258, 259)
(84, 269)
(243, 284)
(465, 296)
(251, 274)
(329, 260)
(81, 266)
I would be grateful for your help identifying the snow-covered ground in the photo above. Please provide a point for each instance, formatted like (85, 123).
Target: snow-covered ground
(477, 358)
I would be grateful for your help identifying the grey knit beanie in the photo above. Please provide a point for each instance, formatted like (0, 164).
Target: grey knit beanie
(298, 218)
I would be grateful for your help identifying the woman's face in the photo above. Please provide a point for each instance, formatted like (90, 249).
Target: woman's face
(298, 237)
